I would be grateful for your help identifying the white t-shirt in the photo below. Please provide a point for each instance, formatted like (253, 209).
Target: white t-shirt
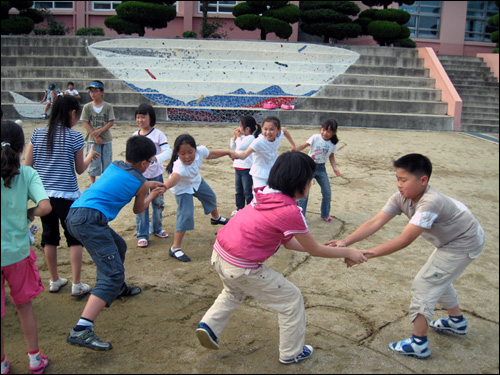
(190, 174)
(266, 153)
(71, 92)
(163, 152)
(240, 145)
(320, 149)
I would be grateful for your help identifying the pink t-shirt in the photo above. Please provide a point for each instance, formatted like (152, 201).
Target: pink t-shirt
(257, 231)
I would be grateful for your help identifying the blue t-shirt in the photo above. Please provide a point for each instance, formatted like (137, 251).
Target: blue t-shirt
(115, 188)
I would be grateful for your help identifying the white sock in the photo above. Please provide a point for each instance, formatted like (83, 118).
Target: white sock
(5, 365)
(85, 323)
(34, 358)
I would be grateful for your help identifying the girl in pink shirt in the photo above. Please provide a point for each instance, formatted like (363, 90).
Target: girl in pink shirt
(253, 235)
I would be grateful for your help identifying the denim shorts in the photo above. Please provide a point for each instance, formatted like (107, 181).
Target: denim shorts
(104, 245)
(185, 206)
(96, 167)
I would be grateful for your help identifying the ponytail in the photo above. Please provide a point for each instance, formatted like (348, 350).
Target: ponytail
(179, 141)
(12, 146)
(61, 115)
(333, 126)
(249, 122)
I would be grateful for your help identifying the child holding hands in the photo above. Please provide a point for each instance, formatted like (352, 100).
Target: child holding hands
(20, 184)
(445, 223)
(323, 148)
(185, 182)
(244, 134)
(266, 147)
(88, 221)
(250, 238)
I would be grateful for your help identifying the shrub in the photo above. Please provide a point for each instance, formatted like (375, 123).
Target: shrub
(40, 31)
(189, 34)
(98, 31)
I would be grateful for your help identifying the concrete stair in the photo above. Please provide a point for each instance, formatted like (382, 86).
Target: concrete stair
(478, 88)
(386, 87)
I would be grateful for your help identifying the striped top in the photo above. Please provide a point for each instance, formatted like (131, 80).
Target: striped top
(57, 167)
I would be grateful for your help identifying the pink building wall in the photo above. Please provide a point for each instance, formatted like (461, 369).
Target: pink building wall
(451, 38)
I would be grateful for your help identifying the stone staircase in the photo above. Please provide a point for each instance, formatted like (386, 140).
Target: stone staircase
(385, 88)
(478, 89)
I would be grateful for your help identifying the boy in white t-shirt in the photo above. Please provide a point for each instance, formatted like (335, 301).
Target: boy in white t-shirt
(323, 148)
(72, 91)
(445, 223)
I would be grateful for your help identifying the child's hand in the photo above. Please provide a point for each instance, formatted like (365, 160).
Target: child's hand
(232, 155)
(95, 154)
(237, 132)
(293, 148)
(336, 243)
(156, 192)
(336, 171)
(357, 257)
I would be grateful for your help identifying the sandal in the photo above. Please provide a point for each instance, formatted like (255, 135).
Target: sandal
(162, 234)
(179, 255)
(287, 106)
(129, 291)
(269, 105)
(142, 242)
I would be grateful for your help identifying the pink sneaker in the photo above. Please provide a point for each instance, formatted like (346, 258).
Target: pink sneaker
(327, 219)
(269, 105)
(44, 362)
(287, 106)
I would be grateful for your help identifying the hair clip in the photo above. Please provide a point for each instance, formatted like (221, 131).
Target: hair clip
(5, 144)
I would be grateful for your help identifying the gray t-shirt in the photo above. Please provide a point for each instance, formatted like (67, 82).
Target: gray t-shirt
(449, 225)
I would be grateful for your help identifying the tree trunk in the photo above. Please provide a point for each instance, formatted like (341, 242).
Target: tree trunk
(263, 34)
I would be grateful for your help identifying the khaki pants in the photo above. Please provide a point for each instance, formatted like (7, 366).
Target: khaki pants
(433, 284)
(270, 288)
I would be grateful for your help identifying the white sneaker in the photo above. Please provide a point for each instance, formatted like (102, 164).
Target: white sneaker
(54, 286)
(79, 289)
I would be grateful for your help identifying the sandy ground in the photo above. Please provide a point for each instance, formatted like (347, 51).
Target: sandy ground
(352, 314)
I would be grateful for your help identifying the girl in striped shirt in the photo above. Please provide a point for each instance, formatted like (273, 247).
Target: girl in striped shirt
(56, 152)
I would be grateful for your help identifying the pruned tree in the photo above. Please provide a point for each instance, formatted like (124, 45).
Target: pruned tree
(24, 22)
(386, 26)
(268, 16)
(133, 17)
(493, 21)
(329, 19)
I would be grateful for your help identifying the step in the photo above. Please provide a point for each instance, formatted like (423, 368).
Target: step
(380, 92)
(48, 61)
(380, 51)
(387, 71)
(480, 121)
(388, 81)
(373, 105)
(472, 127)
(392, 61)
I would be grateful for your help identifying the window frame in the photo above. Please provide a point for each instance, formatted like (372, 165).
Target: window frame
(418, 13)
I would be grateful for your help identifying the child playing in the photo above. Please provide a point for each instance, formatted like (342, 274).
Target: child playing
(20, 184)
(445, 223)
(266, 147)
(323, 148)
(243, 136)
(72, 91)
(250, 238)
(98, 117)
(55, 151)
(49, 97)
(145, 117)
(185, 182)
(88, 221)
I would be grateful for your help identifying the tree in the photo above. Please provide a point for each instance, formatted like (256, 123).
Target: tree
(210, 30)
(493, 21)
(24, 22)
(386, 26)
(329, 19)
(132, 17)
(268, 16)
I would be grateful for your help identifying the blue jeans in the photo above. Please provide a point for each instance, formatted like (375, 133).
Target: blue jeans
(142, 219)
(105, 246)
(322, 177)
(243, 185)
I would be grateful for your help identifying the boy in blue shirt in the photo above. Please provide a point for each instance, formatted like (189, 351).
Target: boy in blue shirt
(88, 220)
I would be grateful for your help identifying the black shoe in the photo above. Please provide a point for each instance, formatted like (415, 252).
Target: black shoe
(129, 291)
(221, 220)
(179, 255)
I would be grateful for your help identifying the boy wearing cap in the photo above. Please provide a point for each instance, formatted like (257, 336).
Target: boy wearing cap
(98, 117)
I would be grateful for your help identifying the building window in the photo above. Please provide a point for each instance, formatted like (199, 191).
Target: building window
(218, 6)
(425, 20)
(478, 14)
(105, 5)
(53, 4)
